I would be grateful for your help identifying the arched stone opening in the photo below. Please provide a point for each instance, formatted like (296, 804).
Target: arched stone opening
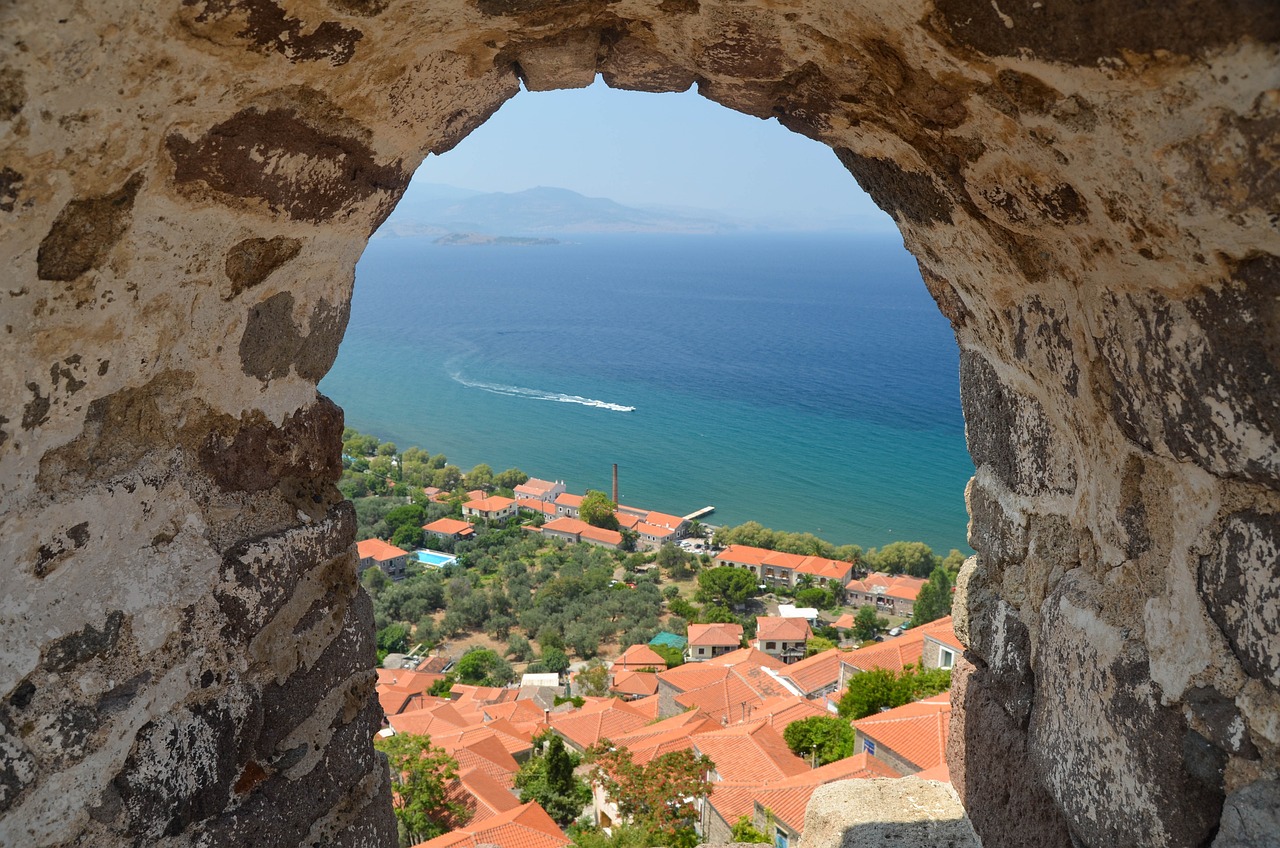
(184, 191)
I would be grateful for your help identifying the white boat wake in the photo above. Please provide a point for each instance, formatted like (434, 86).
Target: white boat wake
(539, 394)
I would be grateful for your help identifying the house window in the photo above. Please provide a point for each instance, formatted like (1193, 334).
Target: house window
(780, 839)
(701, 651)
(946, 658)
(768, 646)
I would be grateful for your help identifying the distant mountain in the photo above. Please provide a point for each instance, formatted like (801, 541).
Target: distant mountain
(439, 210)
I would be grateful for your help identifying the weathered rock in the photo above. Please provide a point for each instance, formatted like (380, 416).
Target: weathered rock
(907, 813)
(1090, 189)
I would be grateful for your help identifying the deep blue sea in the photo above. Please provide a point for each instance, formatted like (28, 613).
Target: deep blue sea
(804, 381)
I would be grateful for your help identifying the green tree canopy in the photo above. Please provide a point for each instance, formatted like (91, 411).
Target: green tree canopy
(880, 689)
(510, 478)
(483, 667)
(725, 585)
(672, 656)
(597, 510)
(548, 778)
(934, 600)
(914, 558)
(593, 681)
(866, 624)
(820, 739)
(661, 795)
(421, 775)
(744, 831)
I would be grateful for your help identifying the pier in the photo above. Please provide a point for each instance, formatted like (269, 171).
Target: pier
(693, 516)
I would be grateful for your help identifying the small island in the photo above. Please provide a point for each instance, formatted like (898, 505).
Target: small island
(483, 238)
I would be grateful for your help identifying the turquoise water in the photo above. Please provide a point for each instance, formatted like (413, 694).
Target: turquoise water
(807, 382)
(435, 558)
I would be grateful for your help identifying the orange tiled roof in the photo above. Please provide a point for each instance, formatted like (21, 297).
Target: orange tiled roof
(671, 734)
(493, 503)
(485, 752)
(653, 530)
(892, 654)
(782, 629)
(785, 709)
(647, 707)
(578, 527)
(662, 519)
(816, 672)
(567, 499)
(715, 635)
(787, 799)
(536, 506)
(534, 486)
(939, 772)
(753, 753)
(600, 534)
(526, 826)
(896, 586)
(449, 526)
(844, 622)
(513, 740)
(637, 657)
(917, 732)
(627, 520)
(379, 550)
(941, 631)
(747, 657)
(599, 720)
(828, 569)
(481, 796)
(730, 691)
(635, 683)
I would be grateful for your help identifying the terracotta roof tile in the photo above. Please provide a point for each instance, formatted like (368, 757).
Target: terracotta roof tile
(782, 629)
(449, 526)
(752, 753)
(482, 796)
(379, 550)
(638, 683)
(637, 657)
(916, 732)
(493, 503)
(567, 499)
(536, 506)
(485, 753)
(816, 672)
(897, 586)
(526, 826)
(597, 721)
(715, 635)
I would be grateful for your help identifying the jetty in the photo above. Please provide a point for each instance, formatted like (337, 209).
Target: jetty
(693, 516)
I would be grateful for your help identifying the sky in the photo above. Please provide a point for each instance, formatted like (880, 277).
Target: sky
(671, 150)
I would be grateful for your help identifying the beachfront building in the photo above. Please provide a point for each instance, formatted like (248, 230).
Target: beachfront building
(573, 530)
(389, 558)
(450, 528)
(492, 508)
(776, 568)
(546, 509)
(890, 594)
(567, 505)
(540, 490)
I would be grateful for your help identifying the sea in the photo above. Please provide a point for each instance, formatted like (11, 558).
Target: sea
(804, 381)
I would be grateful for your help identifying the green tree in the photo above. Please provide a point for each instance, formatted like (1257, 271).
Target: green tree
(480, 477)
(866, 624)
(510, 478)
(820, 739)
(672, 656)
(555, 660)
(394, 638)
(548, 778)
(481, 666)
(744, 831)
(593, 680)
(815, 596)
(725, 585)
(818, 644)
(934, 600)
(661, 795)
(407, 536)
(518, 647)
(953, 562)
(421, 775)
(914, 558)
(597, 510)
(879, 689)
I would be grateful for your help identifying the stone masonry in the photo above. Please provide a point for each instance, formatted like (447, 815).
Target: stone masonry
(1091, 189)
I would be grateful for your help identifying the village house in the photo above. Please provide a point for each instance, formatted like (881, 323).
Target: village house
(776, 568)
(385, 556)
(815, 676)
(707, 641)
(639, 658)
(573, 530)
(539, 490)
(783, 638)
(567, 504)
(910, 738)
(890, 594)
(450, 528)
(547, 509)
(491, 508)
(940, 647)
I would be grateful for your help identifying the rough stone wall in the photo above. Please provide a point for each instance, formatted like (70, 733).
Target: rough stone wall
(1090, 188)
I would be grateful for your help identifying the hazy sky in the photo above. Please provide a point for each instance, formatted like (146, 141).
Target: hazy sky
(655, 149)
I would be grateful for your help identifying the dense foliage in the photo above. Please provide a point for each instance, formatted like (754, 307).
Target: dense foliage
(547, 777)
(880, 689)
(820, 739)
(756, 535)
(597, 510)
(661, 795)
(934, 600)
(421, 775)
(866, 624)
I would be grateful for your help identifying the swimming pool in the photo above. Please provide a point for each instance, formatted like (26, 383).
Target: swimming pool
(435, 559)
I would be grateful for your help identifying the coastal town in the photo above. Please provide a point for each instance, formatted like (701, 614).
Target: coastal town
(733, 694)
